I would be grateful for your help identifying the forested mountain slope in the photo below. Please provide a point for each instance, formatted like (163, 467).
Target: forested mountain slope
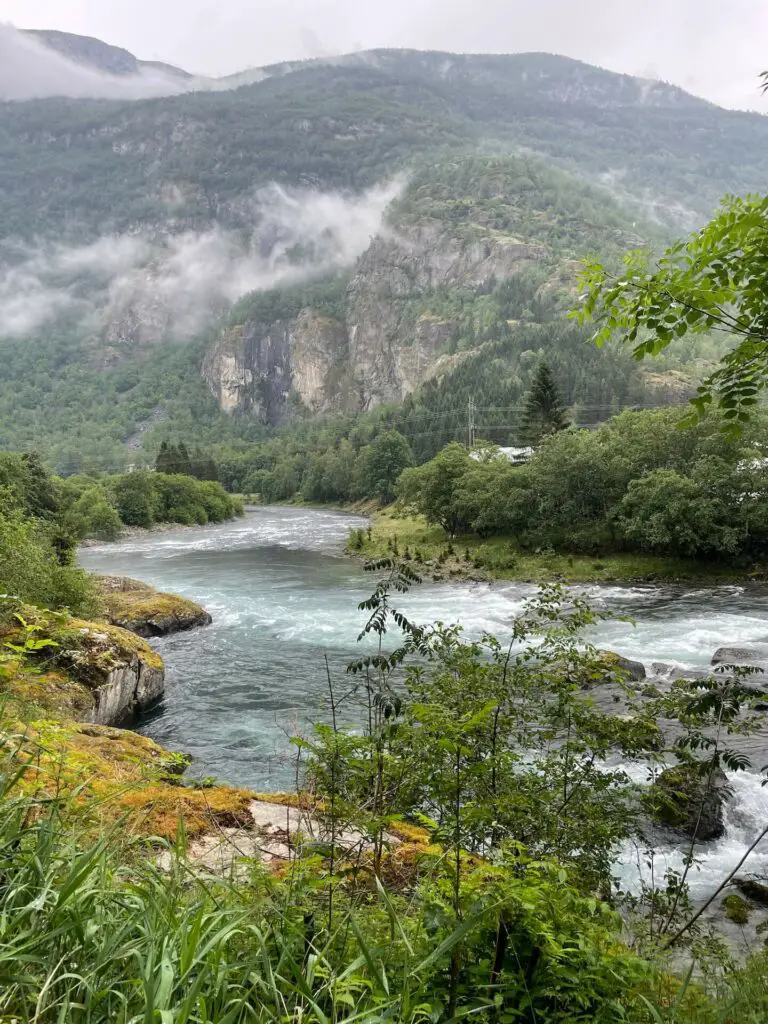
(326, 239)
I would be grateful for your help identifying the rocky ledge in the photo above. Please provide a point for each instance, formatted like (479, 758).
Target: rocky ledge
(137, 607)
(91, 671)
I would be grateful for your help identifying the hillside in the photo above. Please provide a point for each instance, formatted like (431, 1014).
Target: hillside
(324, 240)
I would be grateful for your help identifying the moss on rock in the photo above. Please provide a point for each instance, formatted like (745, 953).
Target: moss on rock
(684, 799)
(135, 606)
(736, 909)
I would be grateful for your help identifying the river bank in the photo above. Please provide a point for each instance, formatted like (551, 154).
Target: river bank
(437, 557)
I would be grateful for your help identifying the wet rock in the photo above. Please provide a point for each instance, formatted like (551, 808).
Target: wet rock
(754, 890)
(623, 668)
(147, 612)
(682, 799)
(754, 654)
(661, 668)
(688, 674)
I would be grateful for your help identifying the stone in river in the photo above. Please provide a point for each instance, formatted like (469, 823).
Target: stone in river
(685, 800)
(753, 654)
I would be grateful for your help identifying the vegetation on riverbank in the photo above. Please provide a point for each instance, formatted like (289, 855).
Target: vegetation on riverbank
(437, 556)
(488, 910)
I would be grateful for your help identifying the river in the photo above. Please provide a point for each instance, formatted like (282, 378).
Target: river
(283, 598)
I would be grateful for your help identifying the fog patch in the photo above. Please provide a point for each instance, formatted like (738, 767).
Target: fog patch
(31, 70)
(171, 286)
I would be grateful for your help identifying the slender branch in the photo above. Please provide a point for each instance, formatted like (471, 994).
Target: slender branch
(728, 878)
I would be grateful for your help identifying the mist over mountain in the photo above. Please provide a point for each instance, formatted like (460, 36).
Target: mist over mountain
(321, 236)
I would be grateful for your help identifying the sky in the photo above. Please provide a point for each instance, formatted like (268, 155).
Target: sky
(710, 48)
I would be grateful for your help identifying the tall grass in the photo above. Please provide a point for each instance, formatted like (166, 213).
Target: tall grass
(97, 932)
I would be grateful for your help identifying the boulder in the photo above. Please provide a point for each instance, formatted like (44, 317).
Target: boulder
(124, 674)
(752, 654)
(623, 668)
(752, 889)
(136, 606)
(682, 799)
(113, 673)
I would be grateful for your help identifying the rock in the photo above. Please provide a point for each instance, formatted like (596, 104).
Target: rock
(682, 799)
(661, 668)
(736, 909)
(688, 674)
(651, 690)
(624, 668)
(116, 673)
(137, 607)
(754, 654)
(381, 342)
(753, 890)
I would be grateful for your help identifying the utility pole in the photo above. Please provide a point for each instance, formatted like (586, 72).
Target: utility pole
(471, 422)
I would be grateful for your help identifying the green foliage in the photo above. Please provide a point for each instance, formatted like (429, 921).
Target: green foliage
(638, 483)
(382, 462)
(93, 515)
(543, 412)
(431, 489)
(143, 499)
(713, 281)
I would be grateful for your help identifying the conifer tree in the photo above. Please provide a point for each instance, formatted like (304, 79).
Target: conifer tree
(166, 459)
(543, 411)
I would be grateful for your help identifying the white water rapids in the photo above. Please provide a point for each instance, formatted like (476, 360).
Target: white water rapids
(283, 597)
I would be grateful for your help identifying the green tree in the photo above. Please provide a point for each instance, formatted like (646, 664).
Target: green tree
(716, 280)
(382, 462)
(543, 411)
(135, 498)
(432, 489)
(93, 515)
(166, 458)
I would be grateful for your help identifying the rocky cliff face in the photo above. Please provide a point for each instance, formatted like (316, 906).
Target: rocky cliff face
(389, 342)
(256, 368)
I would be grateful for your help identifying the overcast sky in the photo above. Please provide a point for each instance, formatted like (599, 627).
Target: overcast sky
(709, 47)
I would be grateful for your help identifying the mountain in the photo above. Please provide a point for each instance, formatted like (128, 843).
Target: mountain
(39, 63)
(93, 53)
(473, 248)
(327, 238)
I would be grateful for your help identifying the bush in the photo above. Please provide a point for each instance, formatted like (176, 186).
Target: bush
(30, 569)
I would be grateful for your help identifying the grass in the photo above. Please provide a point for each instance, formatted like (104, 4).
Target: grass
(471, 557)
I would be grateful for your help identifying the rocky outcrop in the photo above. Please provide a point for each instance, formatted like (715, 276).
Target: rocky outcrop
(95, 671)
(137, 607)
(683, 799)
(752, 654)
(391, 339)
(621, 668)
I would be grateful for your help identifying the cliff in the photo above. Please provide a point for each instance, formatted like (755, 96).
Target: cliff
(398, 320)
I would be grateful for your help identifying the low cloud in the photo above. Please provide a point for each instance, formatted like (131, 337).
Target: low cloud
(31, 70)
(170, 287)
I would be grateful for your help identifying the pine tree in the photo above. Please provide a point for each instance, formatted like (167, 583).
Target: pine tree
(543, 411)
(184, 461)
(166, 459)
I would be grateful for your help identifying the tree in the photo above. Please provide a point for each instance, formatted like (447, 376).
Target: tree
(543, 411)
(166, 458)
(715, 281)
(41, 497)
(382, 462)
(135, 498)
(432, 488)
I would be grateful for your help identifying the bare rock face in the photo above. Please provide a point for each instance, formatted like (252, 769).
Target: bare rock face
(109, 673)
(123, 673)
(256, 368)
(389, 343)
